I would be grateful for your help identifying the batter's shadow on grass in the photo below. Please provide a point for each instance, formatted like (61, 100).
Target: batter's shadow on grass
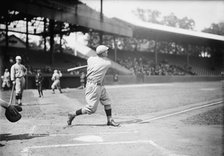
(26, 136)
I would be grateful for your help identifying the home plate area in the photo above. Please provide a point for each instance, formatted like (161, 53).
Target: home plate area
(96, 145)
(105, 142)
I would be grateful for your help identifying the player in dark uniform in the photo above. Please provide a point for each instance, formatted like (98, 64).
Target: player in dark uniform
(38, 81)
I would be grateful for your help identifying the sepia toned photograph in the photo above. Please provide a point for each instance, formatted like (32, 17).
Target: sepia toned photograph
(112, 78)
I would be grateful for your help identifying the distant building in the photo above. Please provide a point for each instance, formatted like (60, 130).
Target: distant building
(14, 41)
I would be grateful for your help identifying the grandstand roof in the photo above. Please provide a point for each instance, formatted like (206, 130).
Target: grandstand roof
(161, 32)
(70, 11)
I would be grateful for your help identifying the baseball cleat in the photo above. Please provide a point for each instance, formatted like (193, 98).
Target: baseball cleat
(18, 108)
(70, 119)
(113, 123)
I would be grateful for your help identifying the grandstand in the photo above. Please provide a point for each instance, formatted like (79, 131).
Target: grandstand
(149, 64)
(197, 65)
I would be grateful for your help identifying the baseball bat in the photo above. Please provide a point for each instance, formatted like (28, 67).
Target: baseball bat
(76, 68)
(6, 104)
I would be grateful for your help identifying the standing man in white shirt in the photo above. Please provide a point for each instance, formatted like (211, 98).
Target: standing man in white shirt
(95, 90)
(18, 73)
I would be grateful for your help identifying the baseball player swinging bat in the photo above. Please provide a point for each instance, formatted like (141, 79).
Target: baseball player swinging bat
(76, 68)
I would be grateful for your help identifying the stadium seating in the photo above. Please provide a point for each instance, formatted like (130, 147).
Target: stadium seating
(196, 66)
(167, 64)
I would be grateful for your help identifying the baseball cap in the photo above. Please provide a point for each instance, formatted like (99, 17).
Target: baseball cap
(18, 58)
(101, 48)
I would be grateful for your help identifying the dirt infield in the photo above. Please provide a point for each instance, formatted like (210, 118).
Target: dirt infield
(168, 119)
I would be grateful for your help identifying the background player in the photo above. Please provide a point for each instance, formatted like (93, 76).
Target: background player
(39, 80)
(18, 73)
(6, 79)
(95, 90)
(56, 78)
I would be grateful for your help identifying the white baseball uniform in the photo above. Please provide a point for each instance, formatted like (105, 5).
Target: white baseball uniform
(56, 78)
(95, 91)
(18, 72)
(6, 79)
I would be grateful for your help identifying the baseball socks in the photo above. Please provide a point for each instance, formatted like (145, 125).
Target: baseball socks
(110, 121)
(72, 115)
(19, 100)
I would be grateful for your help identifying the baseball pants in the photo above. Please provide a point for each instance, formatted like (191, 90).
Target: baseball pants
(94, 94)
(56, 84)
(19, 86)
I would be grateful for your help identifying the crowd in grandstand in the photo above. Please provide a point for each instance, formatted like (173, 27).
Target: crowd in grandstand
(140, 66)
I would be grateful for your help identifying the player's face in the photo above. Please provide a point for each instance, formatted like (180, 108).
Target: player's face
(105, 54)
(18, 60)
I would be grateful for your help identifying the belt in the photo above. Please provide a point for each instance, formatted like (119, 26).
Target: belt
(94, 82)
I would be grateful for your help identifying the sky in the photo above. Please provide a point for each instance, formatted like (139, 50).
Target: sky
(204, 12)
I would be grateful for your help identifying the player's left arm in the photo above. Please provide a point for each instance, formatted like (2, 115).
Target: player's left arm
(60, 74)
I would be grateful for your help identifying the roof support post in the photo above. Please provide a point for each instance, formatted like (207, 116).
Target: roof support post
(115, 49)
(61, 37)
(27, 33)
(156, 53)
(45, 41)
(188, 58)
(52, 23)
(6, 34)
(101, 10)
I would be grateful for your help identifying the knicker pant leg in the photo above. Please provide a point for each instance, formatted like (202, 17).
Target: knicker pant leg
(19, 86)
(92, 94)
(105, 99)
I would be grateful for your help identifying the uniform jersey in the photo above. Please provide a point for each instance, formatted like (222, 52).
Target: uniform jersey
(56, 76)
(6, 76)
(18, 71)
(97, 68)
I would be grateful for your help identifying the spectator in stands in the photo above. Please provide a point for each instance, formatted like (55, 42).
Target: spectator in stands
(48, 69)
(6, 80)
(222, 73)
(56, 81)
(18, 73)
(39, 81)
(11, 61)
